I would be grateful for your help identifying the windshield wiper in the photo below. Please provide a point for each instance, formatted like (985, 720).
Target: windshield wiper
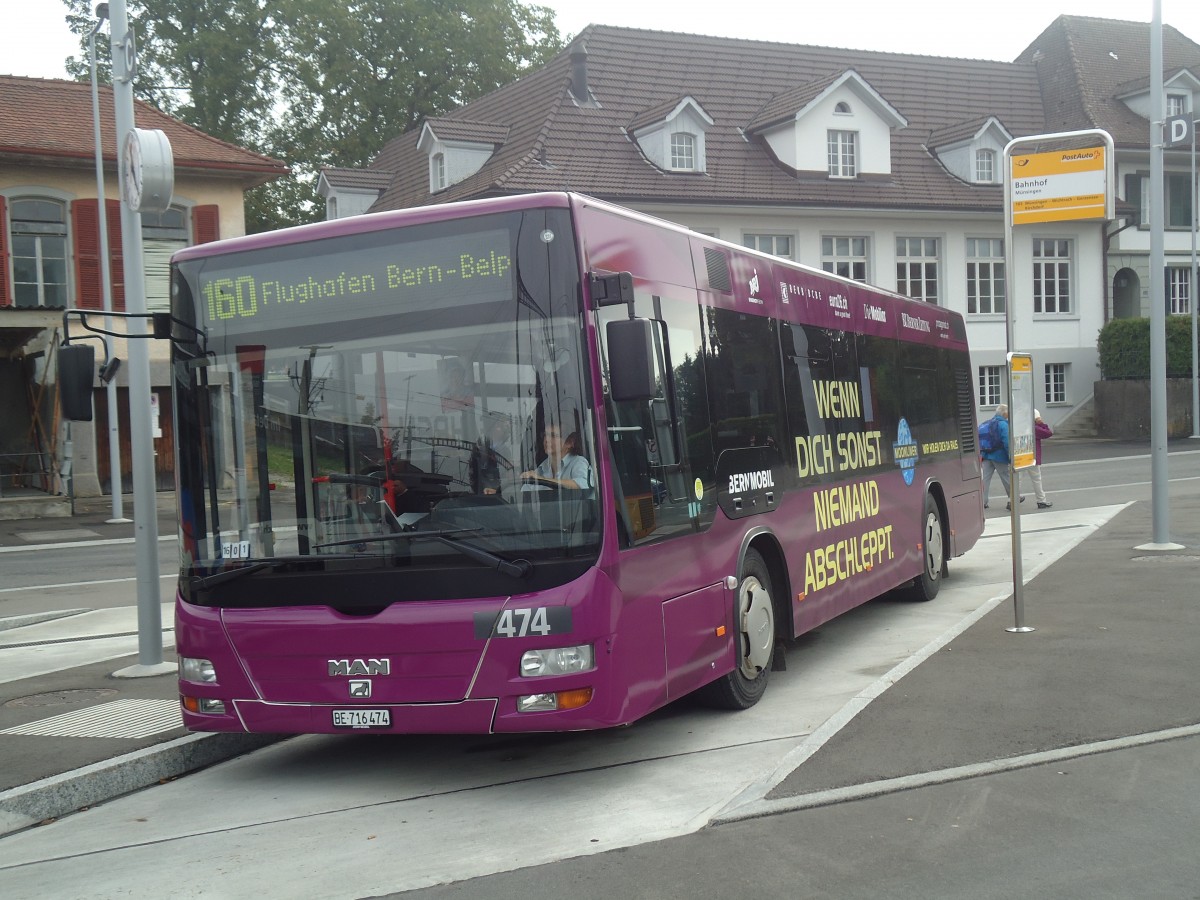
(519, 568)
(204, 582)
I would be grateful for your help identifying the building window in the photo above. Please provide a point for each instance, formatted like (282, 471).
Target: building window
(991, 382)
(39, 252)
(917, 268)
(1179, 293)
(842, 109)
(1056, 383)
(842, 158)
(438, 171)
(775, 244)
(1051, 276)
(1177, 197)
(683, 151)
(1177, 104)
(985, 166)
(985, 276)
(845, 256)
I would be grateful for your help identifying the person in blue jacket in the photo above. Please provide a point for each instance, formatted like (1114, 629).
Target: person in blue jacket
(997, 461)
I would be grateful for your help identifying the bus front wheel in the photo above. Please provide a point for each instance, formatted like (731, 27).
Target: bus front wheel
(754, 639)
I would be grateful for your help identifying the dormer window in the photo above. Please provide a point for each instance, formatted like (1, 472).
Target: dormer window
(1177, 104)
(985, 166)
(437, 172)
(671, 135)
(683, 151)
(843, 154)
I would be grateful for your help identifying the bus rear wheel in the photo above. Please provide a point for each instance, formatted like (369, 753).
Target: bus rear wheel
(754, 639)
(933, 561)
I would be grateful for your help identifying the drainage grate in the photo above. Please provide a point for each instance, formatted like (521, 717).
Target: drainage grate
(119, 719)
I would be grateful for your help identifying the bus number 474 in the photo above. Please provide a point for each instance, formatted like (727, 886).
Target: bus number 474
(523, 622)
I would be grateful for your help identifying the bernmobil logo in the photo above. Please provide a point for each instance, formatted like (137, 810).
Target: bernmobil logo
(360, 667)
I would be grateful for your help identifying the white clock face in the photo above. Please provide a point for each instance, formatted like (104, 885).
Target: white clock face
(133, 171)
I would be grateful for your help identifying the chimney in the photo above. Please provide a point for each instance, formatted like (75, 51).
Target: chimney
(579, 79)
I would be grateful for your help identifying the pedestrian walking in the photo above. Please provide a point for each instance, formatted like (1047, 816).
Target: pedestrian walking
(994, 451)
(1041, 431)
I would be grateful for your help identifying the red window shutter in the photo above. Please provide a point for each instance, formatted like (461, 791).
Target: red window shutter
(116, 259)
(85, 231)
(206, 224)
(5, 290)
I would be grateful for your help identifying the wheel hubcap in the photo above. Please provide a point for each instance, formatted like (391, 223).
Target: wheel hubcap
(933, 546)
(757, 626)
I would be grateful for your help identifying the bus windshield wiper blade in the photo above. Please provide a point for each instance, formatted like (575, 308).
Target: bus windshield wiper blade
(407, 535)
(520, 568)
(204, 582)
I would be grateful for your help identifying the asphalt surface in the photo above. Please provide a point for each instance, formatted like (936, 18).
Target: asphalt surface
(1056, 763)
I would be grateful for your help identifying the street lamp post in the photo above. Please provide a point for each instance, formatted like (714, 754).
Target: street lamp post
(114, 430)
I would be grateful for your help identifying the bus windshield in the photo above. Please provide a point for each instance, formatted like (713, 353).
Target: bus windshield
(401, 397)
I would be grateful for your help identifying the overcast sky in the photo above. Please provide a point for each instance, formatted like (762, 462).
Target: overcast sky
(38, 41)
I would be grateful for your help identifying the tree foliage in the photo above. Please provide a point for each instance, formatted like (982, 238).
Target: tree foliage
(316, 83)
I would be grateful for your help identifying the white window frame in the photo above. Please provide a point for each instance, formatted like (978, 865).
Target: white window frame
(683, 151)
(1053, 276)
(985, 277)
(846, 255)
(842, 153)
(1056, 382)
(437, 172)
(918, 268)
(991, 385)
(985, 166)
(41, 233)
(1177, 104)
(1179, 293)
(781, 245)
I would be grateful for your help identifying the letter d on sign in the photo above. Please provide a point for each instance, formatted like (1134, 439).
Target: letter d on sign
(1177, 130)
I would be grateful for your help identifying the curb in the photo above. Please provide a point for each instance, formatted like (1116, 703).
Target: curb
(58, 795)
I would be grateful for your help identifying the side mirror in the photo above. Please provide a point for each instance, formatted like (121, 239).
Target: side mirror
(76, 374)
(631, 359)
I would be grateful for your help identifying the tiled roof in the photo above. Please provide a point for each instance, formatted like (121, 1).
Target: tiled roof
(554, 144)
(784, 106)
(51, 120)
(462, 130)
(1085, 64)
(960, 131)
(357, 179)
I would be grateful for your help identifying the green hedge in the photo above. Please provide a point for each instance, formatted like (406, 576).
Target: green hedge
(1124, 346)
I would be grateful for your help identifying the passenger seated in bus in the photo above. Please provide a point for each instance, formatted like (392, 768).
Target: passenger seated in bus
(563, 466)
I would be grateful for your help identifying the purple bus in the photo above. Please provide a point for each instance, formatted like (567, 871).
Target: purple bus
(541, 463)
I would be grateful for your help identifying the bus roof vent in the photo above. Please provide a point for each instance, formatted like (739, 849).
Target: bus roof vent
(718, 270)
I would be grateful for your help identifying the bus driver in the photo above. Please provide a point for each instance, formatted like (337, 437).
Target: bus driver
(563, 465)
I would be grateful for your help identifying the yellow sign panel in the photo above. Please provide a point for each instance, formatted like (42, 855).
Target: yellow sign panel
(1057, 186)
(1020, 411)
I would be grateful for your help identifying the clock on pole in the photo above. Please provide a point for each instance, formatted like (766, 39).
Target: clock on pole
(148, 170)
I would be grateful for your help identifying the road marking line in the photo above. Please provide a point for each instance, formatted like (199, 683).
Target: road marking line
(945, 776)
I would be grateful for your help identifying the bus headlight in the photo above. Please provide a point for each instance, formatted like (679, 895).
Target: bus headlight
(198, 670)
(557, 661)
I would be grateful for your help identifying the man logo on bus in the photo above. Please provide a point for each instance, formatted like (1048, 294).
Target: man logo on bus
(360, 666)
(904, 452)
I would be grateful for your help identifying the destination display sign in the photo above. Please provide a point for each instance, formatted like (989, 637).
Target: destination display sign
(280, 288)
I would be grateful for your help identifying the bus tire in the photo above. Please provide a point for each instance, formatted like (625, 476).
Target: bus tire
(754, 639)
(933, 555)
